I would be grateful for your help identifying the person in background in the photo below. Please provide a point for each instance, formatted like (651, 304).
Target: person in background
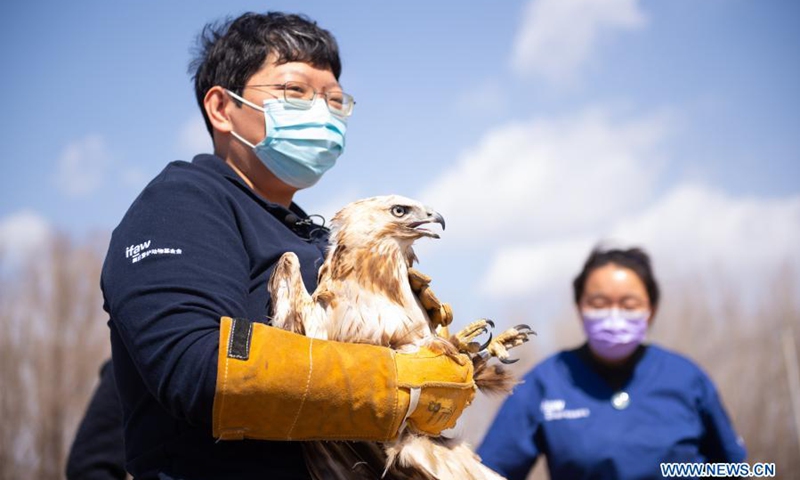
(614, 408)
(97, 452)
(207, 388)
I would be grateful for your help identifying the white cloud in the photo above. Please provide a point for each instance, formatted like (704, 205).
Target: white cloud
(83, 166)
(522, 269)
(21, 234)
(696, 227)
(193, 139)
(557, 37)
(549, 177)
(487, 97)
(693, 233)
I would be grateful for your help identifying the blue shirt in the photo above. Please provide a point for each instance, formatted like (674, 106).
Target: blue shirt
(564, 411)
(197, 244)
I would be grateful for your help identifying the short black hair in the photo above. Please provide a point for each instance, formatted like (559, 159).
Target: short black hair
(634, 259)
(229, 52)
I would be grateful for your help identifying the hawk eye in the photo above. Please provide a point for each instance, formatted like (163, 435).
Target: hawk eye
(399, 211)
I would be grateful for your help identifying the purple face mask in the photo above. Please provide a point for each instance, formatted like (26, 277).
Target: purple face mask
(614, 334)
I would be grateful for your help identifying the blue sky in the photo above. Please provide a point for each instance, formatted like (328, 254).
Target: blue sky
(537, 127)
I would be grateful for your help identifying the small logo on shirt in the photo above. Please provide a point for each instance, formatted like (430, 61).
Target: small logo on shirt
(139, 252)
(556, 410)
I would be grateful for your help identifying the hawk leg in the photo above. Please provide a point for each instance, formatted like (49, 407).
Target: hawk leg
(513, 337)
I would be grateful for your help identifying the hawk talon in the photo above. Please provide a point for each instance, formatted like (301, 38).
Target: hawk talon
(511, 338)
(526, 329)
(483, 347)
(464, 338)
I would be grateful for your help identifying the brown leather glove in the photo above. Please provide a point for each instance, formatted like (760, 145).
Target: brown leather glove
(277, 385)
(441, 314)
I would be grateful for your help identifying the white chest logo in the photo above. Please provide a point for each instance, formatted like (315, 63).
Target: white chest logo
(141, 251)
(556, 410)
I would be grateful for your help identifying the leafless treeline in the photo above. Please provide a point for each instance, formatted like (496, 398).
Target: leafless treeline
(53, 338)
(748, 353)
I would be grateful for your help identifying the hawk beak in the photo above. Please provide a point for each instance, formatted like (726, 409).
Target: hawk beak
(432, 217)
(438, 218)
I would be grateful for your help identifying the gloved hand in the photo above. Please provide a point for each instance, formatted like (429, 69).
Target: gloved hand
(441, 314)
(438, 389)
(277, 385)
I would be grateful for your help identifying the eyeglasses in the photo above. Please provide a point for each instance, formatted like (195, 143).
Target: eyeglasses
(302, 95)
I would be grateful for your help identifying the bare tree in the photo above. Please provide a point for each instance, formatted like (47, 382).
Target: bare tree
(51, 345)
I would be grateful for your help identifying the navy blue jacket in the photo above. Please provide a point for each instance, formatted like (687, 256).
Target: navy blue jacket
(197, 244)
(564, 411)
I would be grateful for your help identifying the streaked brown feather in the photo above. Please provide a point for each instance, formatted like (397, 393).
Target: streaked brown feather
(493, 379)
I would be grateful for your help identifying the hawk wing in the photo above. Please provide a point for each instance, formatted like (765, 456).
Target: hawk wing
(293, 308)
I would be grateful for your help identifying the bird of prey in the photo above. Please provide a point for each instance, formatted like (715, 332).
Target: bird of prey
(364, 295)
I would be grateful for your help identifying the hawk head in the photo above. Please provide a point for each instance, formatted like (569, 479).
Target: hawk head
(389, 218)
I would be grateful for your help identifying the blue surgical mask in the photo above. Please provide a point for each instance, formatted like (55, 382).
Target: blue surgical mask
(301, 144)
